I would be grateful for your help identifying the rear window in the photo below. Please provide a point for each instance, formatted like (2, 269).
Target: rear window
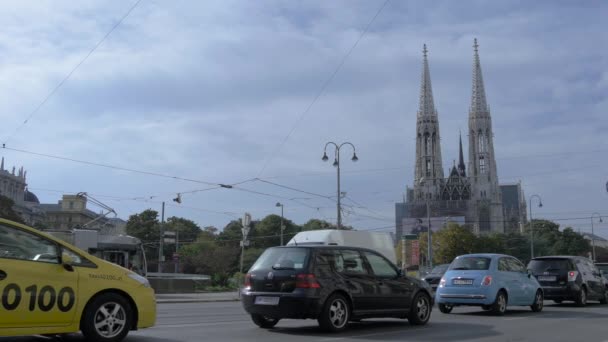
(471, 263)
(603, 268)
(550, 265)
(282, 259)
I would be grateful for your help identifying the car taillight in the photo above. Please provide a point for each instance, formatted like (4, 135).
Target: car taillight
(572, 275)
(307, 281)
(487, 281)
(442, 282)
(247, 281)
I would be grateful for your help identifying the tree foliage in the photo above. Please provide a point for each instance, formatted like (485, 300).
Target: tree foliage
(6, 210)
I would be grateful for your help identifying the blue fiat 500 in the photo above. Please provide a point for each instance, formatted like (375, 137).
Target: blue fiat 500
(492, 281)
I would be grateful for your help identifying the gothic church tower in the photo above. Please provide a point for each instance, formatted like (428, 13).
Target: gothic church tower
(429, 169)
(482, 162)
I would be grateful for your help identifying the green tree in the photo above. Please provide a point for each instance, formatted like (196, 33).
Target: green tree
(187, 229)
(492, 243)
(6, 210)
(517, 245)
(451, 242)
(316, 224)
(209, 258)
(146, 227)
(231, 234)
(267, 232)
(571, 243)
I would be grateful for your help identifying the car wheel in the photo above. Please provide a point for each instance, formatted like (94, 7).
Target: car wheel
(537, 306)
(500, 304)
(604, 299)
(335, 314)
(108, 318)
(581, 297)
(557, 301)
(420, 312)
(263, 321)
(445, 308)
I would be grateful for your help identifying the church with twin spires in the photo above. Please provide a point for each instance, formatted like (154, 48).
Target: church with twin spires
(470, 194)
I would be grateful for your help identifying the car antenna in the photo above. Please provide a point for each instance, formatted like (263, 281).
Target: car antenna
(295, 242)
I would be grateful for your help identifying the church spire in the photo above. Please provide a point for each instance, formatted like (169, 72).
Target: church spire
(427, 105)
(461, 167)
(478, 97)
(429, 166)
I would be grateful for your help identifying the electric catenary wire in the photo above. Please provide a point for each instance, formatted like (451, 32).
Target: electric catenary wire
(325, 84)
(46, 99)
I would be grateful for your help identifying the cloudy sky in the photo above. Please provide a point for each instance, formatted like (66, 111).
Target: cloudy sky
(210, 92)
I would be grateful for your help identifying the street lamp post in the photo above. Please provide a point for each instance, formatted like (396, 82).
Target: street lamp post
(428, 231)
(593, 234)
(282, 227)
(540, 205)
(337, 165)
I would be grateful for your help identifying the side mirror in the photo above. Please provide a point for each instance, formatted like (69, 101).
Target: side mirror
(529, 273)
(399, 273)
(67, 261)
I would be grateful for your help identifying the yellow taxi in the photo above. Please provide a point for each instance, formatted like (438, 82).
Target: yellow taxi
(49, 287)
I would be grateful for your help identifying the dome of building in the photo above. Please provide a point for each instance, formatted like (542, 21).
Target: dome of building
(30, 197)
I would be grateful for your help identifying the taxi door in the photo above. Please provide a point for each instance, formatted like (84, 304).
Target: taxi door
(36, 289)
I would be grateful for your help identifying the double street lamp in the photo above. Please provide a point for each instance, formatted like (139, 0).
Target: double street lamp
(337, 166)
(282, 226)
(593, 233)
(540, 205)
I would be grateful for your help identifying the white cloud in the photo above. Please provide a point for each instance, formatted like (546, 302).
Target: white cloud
(209, 91)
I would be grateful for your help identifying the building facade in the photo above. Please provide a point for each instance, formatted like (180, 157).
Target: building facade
(13, 185)
(469, 194)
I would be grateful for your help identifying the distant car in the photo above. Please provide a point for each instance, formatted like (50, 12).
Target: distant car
(51, 287)
(332, 284)
(492, 281)
(603, 267)
(569, 278)
(435, 275)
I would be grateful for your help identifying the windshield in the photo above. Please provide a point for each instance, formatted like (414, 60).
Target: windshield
(282, 259)
(440, 269)
(549, 265)
(471, 263)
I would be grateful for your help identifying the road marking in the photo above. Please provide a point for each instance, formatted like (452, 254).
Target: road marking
(514, 318)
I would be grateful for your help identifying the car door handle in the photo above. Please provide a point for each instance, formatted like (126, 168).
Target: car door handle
(3, 275)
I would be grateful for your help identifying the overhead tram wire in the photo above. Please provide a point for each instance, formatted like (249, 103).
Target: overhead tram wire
(294, 189)
(320, 92)
(118, 167)
(46, 99)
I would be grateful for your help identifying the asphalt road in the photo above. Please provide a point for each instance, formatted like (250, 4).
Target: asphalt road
(226, 321)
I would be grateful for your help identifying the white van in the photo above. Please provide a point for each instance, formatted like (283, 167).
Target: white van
(381, 242)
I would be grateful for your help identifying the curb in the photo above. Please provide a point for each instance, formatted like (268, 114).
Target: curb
(181, 301)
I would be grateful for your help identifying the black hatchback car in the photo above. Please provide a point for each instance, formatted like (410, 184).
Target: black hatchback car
(569, 278)
(332, 284)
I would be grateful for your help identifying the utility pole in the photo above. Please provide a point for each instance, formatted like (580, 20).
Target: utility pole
(176, 259)
(245, 230)
(162, 236)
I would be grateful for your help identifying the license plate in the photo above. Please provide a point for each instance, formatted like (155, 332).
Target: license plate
(462, 281)
(267, 300)
(547, 278)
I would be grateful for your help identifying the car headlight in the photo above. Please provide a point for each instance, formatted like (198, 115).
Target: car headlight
(139, 279)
